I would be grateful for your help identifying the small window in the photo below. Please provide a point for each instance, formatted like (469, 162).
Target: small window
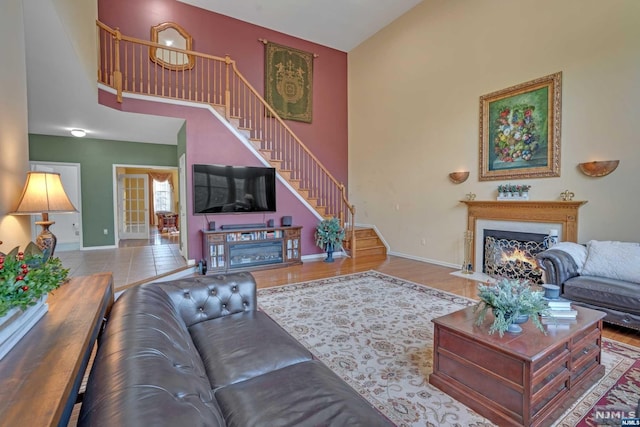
(162, 196)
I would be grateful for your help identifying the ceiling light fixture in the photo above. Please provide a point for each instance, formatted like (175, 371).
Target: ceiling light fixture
(79, 133)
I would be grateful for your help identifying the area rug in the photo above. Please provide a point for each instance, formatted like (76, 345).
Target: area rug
(375, 331)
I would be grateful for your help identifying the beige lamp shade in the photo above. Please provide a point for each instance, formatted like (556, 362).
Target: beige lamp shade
(43, 193)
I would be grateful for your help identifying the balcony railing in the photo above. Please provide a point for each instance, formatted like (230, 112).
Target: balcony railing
(124, 63)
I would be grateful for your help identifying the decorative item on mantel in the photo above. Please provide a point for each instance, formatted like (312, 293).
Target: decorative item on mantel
(26, 278)
(567, 196)
(513, 192)
(470, 196)
(512, 302)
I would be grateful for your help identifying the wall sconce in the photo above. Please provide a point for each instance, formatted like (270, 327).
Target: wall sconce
(458, 177)
(598, 168)
(43, 194)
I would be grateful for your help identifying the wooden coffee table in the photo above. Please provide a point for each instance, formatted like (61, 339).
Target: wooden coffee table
(520, 379)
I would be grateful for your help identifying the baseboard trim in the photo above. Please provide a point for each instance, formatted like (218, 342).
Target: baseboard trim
(427, 260)
(97, 248)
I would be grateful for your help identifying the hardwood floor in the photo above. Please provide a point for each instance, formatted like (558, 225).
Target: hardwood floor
(415, 271)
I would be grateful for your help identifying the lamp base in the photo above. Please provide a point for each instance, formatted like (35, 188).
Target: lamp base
(46, 240)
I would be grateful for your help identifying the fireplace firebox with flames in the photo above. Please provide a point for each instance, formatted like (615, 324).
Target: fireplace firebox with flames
(512, 254)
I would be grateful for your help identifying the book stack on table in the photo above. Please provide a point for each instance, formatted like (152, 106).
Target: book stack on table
(560, 313)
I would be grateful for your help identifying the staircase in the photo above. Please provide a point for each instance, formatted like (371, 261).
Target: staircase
(124, 64)
(368, 243)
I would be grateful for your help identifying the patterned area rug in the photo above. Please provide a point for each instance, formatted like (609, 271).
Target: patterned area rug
(375, 332)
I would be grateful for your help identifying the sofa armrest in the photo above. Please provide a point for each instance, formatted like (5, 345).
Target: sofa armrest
(208, 297)
(558, 265)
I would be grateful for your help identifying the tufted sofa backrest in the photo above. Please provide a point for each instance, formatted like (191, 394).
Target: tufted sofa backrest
(197, 299)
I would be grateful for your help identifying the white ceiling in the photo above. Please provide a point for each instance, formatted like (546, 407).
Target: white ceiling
(61, 95)
(339, 24)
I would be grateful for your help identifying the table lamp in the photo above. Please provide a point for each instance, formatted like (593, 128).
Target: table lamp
(43, 194)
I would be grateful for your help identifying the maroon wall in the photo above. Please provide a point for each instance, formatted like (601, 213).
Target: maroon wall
(220, 35)
(209, 141)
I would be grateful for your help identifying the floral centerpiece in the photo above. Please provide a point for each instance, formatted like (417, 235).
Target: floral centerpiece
(510, 300)
(513, 192)
(329, 236)
(27, 276)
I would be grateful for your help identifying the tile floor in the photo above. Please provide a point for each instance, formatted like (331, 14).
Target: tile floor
(133, 261)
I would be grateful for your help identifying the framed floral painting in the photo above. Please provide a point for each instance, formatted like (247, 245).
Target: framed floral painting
(520, 130)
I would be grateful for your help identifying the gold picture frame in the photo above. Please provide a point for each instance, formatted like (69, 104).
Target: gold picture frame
(175, 38)
(520, 130)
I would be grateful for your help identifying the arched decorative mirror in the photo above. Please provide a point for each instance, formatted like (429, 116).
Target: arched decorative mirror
(172, 35)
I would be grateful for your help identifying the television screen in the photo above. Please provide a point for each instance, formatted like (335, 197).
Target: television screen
(233, 189)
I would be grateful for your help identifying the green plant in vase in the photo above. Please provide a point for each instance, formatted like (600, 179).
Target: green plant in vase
(329, 236)
(27, 276)
(510, 300)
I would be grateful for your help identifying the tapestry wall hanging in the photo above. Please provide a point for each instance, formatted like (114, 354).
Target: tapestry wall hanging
(289, 81)
(520, 130)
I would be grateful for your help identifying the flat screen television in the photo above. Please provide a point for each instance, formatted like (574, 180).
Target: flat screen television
(223, 189)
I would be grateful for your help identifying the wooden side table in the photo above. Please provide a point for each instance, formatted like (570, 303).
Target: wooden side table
(40, 377)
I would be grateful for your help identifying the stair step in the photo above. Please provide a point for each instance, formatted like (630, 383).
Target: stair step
(267, 154)
(220, 109)
(367, 242)
(365, 232)
(377, 251)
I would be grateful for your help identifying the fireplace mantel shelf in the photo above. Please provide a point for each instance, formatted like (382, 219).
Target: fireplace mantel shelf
(525, 203)
(560, 212)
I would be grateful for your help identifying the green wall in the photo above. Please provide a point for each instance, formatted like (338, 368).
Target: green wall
(96, 158)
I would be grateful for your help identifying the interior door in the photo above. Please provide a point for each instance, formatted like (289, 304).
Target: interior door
(133, 206)
(182, 172)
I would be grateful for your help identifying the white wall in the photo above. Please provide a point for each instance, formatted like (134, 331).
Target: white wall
(14, 148)
(414, 91)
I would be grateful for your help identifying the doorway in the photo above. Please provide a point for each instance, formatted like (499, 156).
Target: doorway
(133, 206)
(138, 190)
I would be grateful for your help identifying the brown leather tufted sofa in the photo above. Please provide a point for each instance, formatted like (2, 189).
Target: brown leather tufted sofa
(197, 352)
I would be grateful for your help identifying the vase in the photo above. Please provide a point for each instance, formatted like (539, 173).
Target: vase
(515, 327)
(329, 250)
(16, 323)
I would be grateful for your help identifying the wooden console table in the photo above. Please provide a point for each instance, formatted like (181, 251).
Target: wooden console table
(251, 248)
(40, 377)
(524, 379)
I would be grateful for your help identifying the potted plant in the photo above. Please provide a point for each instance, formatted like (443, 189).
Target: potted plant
(27, 276)
(512, 301)
(329, 236)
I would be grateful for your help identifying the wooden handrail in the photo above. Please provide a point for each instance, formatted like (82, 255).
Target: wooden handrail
(125, 65)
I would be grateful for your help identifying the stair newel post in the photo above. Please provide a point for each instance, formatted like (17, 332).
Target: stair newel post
(227, 87)
(117, 73)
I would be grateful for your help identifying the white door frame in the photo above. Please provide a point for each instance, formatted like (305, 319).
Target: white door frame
(182, 206)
